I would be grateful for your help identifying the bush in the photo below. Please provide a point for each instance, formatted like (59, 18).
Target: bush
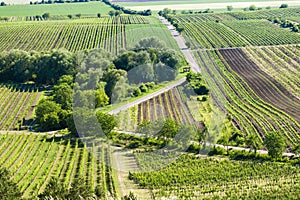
(283, 6)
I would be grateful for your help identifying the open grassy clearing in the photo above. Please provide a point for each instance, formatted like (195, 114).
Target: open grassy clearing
(89, 8)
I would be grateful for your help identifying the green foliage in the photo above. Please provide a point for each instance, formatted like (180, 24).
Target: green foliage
(47, 115)
(283, 5)
(229, 8)
(275, 144)
(130, 196)
(169, 129)
(152, 42)
(55, 189)
(196, 81)
(107, 122)
(8, 189)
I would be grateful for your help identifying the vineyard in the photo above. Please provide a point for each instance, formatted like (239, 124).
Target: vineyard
(17, 104)
(191, 177)
(173, 104)
(33, 159)
(211, 35)
(264, 33)
(109, 33)
(281, 63)
(249, 112)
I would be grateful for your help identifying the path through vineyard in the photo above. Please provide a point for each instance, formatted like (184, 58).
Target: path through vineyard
(125, 162)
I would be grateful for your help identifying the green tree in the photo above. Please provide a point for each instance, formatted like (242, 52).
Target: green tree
(78, 15)
(111, 77)
(275, 144)
(229, 8)
(8, 189)
(47, 115)
(283, 5)
(253, 142)
(101, 99)
(107, 122)
(169, 130)
(252, 8)
(46, 15)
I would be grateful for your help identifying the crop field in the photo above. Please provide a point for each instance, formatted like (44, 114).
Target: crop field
(167, 105)
(17, 103)
(265, 14)
(211, 35)
(79, 34)
(84, 8)
(221, 179)
(264, 33)
(263, 85)
(250, 112)
(135, 32)
(34, 159)
(281, 63)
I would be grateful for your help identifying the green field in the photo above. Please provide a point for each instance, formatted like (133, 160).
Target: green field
(90, 8)
(110, 33)
(219, 178)
(172, 2)
(33, 159)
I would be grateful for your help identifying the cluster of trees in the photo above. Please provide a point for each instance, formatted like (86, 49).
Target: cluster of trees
(101, 79)
(127, 11)
(286, 24)
(2, 3)
(253, 7)
(166, 14)
(40, 67)
(196, 81)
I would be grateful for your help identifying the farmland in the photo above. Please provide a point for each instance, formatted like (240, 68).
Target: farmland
(34, 159)
(90, 8)
(211, 131)
(17, 104)
(79, 34)
(221, 179)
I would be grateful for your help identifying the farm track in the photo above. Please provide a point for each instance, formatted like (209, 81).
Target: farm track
(265, 86)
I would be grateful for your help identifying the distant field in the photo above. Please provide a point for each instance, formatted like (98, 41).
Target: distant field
(91, 8)
(110, 33)
(212, 5)
(170, 2)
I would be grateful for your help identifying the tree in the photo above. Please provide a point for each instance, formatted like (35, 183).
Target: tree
(111, 77)
(70, 16)
(283, 5)
(3, 4)
(78, 15)
(8, 189)
(169, 129)
(252, 8)
(99, 15)
(111, 13)
(275, 144)
(229, 8)
(101, 99)
(62, 94)
(47, 115)
(107, 122)
(46, 15)
(253, 142)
